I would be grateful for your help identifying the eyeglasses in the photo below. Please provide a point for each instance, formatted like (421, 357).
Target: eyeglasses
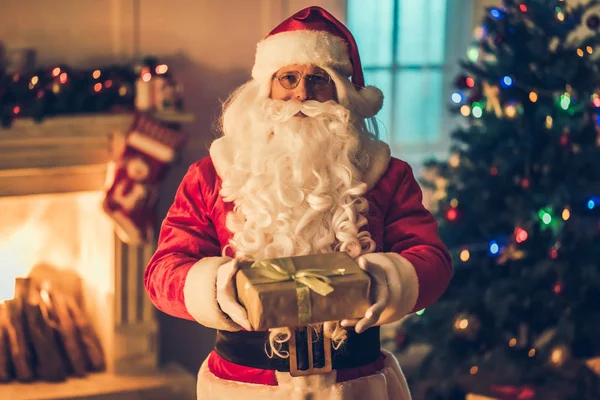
(291, 79)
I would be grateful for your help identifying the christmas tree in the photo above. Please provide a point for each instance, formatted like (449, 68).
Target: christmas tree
(518, 203)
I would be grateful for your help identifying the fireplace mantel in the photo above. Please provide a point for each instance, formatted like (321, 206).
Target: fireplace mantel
(60, 154)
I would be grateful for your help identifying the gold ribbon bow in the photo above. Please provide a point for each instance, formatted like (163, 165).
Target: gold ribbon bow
(283, 269)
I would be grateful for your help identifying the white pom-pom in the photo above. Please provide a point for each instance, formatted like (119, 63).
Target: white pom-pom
(372, 101)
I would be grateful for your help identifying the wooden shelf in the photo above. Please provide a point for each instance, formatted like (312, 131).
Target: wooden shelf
(172, 383)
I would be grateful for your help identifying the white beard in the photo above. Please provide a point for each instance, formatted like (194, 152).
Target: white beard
(294, 181)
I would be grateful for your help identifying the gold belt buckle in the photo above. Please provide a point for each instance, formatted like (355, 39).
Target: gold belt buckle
(311, 370)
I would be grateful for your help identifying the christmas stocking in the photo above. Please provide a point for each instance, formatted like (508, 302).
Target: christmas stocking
(133, 179)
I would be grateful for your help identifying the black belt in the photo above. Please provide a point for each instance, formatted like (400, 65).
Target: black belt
(248, 349)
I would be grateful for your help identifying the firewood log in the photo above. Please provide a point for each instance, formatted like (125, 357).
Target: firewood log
(49, 364)
(87, 337)
(67, 334)
(20, 355)
(5, 372)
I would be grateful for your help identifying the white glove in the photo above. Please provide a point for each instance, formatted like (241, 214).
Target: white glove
(374, 265)
(227, 294)
(394, 289)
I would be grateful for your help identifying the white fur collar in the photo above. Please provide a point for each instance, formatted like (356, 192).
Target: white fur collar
(222, 154)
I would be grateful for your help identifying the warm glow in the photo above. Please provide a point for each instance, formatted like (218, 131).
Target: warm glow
(533, 96)
(512, 342)
(454, 160)
(45, 296)
(549, 122)
(580, 52)
(34, 80)
(465, 255)
(566, 214)
(511, 111)
(55, 72)
(97, 87)
(162, 69)
(589, 49)
(465, 110)
(474, 369)
(454, 203)
(56, 238)
(146, 76)
(63, 77)
(557, 356)
(531, 353)
(96, 74)
(108, 83)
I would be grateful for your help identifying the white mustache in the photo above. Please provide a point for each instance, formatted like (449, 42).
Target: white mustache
(282, 111)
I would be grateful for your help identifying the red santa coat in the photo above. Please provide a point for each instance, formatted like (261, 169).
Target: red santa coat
(181, 276)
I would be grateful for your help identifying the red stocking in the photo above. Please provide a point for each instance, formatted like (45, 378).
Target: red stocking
(132, 192)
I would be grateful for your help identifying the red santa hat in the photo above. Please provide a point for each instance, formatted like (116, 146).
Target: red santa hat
(314, 36)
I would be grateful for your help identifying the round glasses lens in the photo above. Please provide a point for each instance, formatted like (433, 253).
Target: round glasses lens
(289, 80)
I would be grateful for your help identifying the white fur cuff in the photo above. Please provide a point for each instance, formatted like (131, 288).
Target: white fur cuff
(200, 294)
(300, 47)
(403, 285)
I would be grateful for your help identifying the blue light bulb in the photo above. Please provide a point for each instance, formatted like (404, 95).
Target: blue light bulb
(591, 204)
(507, 81)
(496, 13)
(457, 97)
(494, 248)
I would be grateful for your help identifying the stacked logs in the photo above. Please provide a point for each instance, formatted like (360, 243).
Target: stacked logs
(45, 335)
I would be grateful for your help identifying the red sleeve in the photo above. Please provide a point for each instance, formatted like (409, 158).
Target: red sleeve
(186, 236)
(412, 232)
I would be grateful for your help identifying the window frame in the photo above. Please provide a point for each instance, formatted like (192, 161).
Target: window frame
(457, 35)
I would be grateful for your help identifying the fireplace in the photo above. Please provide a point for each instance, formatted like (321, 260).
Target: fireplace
(54, 231)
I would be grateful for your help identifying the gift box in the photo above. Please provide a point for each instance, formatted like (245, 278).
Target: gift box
(303, 290)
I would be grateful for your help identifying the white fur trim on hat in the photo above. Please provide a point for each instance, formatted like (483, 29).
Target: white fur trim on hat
(300, 47)
(200, 294)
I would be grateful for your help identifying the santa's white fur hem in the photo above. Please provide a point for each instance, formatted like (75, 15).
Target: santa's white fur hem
(200, 294)
(300, 47)
(387, 384)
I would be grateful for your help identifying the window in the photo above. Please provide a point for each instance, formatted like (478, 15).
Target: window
(410, 50)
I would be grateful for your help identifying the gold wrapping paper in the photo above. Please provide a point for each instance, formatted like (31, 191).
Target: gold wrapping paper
(285, 292)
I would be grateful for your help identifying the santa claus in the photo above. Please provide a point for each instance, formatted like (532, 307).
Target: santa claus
(298, 171)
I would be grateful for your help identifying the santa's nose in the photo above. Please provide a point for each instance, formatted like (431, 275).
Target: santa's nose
(302, 91)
